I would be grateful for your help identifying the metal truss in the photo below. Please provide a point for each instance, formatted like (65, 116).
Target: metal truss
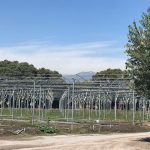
(104, 95)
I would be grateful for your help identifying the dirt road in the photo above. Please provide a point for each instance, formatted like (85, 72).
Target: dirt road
(79, 142)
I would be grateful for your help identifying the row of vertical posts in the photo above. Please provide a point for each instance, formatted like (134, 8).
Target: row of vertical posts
(99, 105)
(14, 94)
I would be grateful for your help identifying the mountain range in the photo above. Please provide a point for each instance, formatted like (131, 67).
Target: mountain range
(81, 76)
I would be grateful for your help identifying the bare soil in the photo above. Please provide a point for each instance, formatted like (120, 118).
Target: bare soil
(114, 136)
(125, 141)
(8, 128)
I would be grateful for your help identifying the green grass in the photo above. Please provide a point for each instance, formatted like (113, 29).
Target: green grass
(66, 115)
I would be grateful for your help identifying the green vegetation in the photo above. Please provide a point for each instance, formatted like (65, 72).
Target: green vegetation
(82, 115)
(47, 129)
(138, 51)
(23, 69)
(110, 73)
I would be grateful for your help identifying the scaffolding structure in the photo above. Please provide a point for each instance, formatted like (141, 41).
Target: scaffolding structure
(90, 100)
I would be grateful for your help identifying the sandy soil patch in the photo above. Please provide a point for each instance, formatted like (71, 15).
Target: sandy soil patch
(80, 142)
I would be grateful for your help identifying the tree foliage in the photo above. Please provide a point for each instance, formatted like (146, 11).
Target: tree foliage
(14, 68)
(138, 51)
(110, 73)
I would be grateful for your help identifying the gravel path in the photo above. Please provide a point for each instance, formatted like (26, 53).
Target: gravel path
(127, 141)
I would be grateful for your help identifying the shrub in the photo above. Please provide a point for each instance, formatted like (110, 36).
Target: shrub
(47, 129)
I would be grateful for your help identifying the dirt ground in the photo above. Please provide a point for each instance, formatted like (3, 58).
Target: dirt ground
(118, 136)
(123, 141)
(7, 128)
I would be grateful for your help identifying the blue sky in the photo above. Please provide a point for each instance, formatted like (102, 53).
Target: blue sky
(68, 35)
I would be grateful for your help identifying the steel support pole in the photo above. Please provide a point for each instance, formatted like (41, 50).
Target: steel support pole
(116, 106)
(99, 110)
(90, 106)
(68, 104)
(2, 105)
(133, 121)
(21, 101)
(40, 103)
(72, 104)
(33, 103)
(13, 104)
(143, 110)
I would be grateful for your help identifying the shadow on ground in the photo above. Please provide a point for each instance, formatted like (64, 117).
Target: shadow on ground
(147, 139)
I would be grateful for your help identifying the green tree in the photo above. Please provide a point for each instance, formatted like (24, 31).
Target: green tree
(47, 73)
(24, 69)
(110, 73)
(138, 51)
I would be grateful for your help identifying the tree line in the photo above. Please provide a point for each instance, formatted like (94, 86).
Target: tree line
(24, 69)
(111, 73)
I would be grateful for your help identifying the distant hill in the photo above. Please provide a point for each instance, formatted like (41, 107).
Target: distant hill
(24, 69)
(81, 76)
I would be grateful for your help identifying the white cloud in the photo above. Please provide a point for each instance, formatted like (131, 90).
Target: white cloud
(68, 59)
